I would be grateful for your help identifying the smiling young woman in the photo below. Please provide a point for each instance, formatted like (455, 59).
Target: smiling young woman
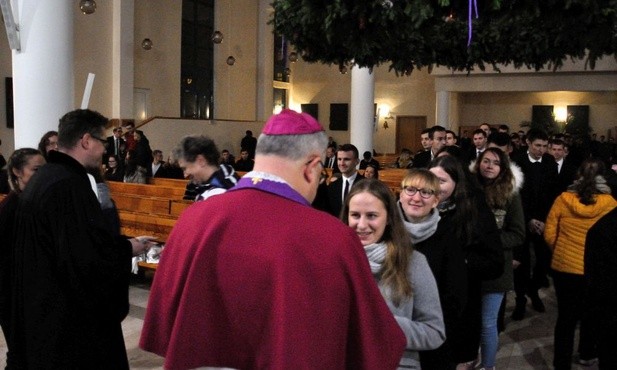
(404, 276)
(501, 181)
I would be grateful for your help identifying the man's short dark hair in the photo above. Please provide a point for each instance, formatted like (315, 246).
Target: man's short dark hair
(499, 139)
(452, 132)
(192, 146)
(349, 148)
(249, 132)
(75, 124)
(557, 142)
(224, 151)
(156, 152)
(479, 131)
(504, 127)
(536, 134)
(367, 155)
(426, 131)
(435, 128)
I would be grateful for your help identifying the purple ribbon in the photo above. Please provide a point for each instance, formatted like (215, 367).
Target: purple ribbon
(272, 187)
(473, 6)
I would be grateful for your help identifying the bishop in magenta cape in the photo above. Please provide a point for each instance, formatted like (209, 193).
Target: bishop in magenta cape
(257, 279)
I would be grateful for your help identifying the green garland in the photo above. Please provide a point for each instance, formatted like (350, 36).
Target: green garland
(411, 34)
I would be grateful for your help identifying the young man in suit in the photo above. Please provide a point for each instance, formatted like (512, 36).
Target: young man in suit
(347, 160)
(330, 161)
(566, 170)
(479, 143)
(115, 144)
(437, 134)
(538, 193)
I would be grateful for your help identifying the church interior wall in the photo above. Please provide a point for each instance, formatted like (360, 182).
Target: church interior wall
(158, 69)
(407, 95)
(226, 134)
(513, 108)
(92, 36)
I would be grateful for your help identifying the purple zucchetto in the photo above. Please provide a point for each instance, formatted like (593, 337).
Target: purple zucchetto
(290, 122)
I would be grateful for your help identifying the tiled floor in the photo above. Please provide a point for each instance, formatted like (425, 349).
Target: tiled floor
(526, 344)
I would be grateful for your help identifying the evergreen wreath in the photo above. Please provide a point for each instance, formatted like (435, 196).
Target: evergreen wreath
(411, 34)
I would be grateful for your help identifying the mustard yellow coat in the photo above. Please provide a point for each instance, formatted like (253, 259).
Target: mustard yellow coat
(566, 229)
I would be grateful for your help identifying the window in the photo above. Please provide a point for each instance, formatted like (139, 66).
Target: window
(197, 66)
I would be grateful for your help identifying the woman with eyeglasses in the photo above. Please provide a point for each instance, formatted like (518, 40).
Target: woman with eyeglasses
(114, 170)
(463, 206)
(418, 202)
(404, 276)
(501, 182)
(48, 142)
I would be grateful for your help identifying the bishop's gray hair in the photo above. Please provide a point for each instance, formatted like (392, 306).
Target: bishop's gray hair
(293, 147)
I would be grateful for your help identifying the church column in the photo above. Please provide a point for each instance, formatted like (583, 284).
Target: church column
(43, 68)
(442, 109)
(362, 109)
(265, 61)
(122, 59)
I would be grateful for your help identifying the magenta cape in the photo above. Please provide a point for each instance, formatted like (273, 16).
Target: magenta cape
(253, 280)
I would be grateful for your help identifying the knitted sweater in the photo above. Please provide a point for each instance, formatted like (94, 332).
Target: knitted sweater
(566, 229)
(420, 316)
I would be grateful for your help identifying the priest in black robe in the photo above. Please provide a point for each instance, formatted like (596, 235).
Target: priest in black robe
(70, 290)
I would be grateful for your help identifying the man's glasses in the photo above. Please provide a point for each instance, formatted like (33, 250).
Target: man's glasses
(412, 190)
(99, 139)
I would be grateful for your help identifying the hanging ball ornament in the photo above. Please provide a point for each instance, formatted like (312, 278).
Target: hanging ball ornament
(387, 4)
(231, 60)
(146, 44)
(293, 57)
(87, 6)
(217, 37)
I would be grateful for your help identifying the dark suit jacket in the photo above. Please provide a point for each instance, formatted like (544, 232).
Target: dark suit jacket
(422, 160)
(335, 191)
(540, 187)
(335, 167)
(566, 176)
(161, 172)
(110, 147)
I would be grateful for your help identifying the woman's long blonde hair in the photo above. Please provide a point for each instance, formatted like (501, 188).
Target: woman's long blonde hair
(399, 246)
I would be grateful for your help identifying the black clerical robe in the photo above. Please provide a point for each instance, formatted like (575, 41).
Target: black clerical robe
(71, 276)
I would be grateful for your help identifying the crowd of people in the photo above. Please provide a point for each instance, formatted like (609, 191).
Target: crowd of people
(331, 274)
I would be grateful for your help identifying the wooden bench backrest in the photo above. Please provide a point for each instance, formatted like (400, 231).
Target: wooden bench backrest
(171, 183)
(139, 223)
(147, 190)
(386, 160)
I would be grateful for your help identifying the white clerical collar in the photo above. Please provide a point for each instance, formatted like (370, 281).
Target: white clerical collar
(532, 159)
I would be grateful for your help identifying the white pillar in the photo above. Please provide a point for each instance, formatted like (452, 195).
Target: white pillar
(362, 109)
(442, 110)
(265, 61)
(43, 69)
(122, 59)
